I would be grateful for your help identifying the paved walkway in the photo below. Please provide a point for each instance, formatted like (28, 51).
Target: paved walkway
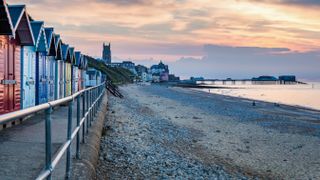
(22, 147)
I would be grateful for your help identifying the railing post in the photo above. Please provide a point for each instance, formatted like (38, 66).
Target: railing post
(95, 102)
(78, 125)
(68, 165)
(83, 115)
(87, 109)
(48, 141)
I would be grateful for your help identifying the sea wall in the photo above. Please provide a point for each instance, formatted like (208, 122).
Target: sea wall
(85, 167)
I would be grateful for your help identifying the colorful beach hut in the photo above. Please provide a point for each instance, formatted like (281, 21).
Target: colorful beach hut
(41, 62)
(75, 71)
(15, 32)
(93, 77)
(51, 63)
(27, 64)
(79, 66)
(84, 67)
(67, 68)
(60, 74)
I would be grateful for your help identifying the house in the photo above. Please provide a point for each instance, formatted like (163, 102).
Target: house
(130, 66)
(143, 73)
(160, 70)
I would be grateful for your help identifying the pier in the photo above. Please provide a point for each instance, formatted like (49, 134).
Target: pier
(230, 81)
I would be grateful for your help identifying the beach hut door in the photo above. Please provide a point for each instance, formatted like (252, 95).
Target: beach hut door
(9, 79)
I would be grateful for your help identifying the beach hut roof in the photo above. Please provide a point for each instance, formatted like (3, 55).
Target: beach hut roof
(6, 27)
(39, 36)
(78, 58)
(50, 41)
(21, 24)
(85, 62)
(72, 55)
(58, 48)
(66, 52)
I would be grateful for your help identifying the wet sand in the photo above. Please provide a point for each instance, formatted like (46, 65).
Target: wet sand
(226, 137)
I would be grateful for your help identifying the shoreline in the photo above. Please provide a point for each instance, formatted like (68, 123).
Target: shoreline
(257, 100)
(210, 132)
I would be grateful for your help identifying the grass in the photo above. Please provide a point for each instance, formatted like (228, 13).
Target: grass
(117, 75)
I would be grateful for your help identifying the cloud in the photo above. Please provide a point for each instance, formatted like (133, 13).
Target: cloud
(247, 62)
(292, 2)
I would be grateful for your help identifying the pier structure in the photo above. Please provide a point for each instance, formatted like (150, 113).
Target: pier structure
(230, 81)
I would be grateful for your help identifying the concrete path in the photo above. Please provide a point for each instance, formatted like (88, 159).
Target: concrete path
(22, 147)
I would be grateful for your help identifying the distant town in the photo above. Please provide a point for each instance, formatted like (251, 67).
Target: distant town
(156, 73)
(160, 73)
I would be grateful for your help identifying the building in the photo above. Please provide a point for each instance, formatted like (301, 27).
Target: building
(160, 71)
(288, 78)
(265, 80)
(130, 66)
(173, 78)
(93, 77)
(106, 53)
(143, 73)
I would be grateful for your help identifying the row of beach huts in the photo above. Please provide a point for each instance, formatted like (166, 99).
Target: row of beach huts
(36, 66)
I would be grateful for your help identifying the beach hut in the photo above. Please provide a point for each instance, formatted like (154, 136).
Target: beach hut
(76, 71)
(28, 68)
(78, 66)
(41, 62)
(93, 77)
(51, 63)
(15, 32)
(60, 74)
(67, 68)
(80, 69)
(83, 66)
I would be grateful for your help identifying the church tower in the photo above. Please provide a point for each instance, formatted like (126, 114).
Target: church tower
(106, 54)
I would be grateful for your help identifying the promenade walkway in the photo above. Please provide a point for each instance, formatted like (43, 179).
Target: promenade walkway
(22, 147)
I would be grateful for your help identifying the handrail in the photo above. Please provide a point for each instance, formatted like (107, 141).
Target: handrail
(91, 98)
(5, 118)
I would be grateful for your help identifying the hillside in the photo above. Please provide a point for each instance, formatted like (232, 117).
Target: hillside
(117, 75)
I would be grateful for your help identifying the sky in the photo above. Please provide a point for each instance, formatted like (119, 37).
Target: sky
(212, 38)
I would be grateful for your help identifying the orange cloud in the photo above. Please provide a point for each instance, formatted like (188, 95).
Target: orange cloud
(142, 23)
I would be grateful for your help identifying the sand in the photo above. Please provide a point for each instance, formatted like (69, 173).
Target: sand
(262, 141)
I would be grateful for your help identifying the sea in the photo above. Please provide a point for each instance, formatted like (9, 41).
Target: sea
(304, 95)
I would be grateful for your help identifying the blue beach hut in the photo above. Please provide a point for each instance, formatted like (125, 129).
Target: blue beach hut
(41, 62)
(51, 63)
(60, 79)
(84, 67)
(78, 66)
(75, 75)
(67, 68)
(27, 58)
(72, 54)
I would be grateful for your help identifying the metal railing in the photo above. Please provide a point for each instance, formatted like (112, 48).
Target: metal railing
(91, 99)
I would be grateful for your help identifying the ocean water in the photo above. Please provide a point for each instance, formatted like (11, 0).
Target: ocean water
(298, 95)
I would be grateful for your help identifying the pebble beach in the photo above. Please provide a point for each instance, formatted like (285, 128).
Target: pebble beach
(160, 132)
